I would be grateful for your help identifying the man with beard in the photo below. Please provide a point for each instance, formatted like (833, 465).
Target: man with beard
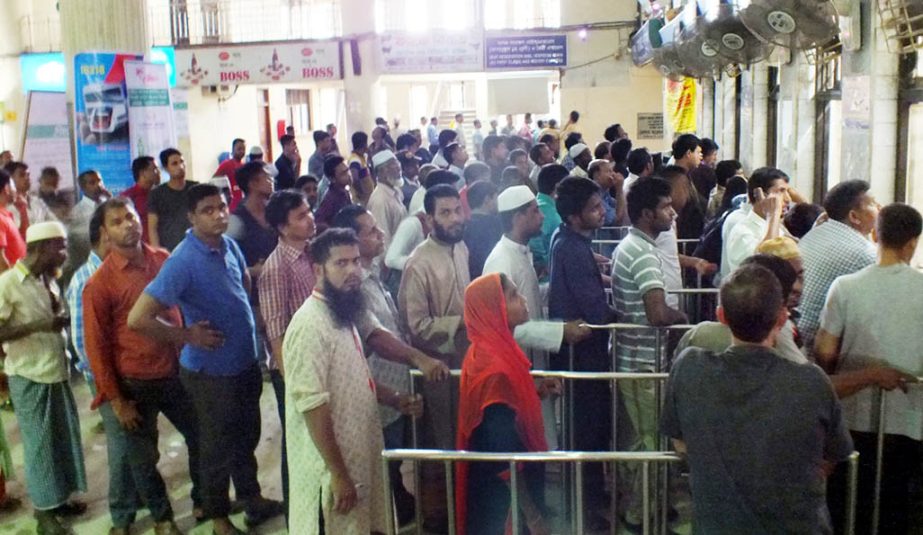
(333, 431)
(431, 303)
(387, 200)
(207, 277)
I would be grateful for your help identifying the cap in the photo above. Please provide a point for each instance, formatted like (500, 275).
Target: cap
(577, 149)
(514, 197)
(45, 231)
(382, 157)
(220, 182)
(256, 150)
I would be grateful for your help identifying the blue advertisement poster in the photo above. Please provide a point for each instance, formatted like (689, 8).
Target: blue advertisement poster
(526, 52)
(101, 117)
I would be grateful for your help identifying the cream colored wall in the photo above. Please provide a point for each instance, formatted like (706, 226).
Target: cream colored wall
(213, 124)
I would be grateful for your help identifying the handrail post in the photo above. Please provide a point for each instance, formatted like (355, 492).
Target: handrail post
(450, 493)
(613, 494)
(646, 497)
(579, 509)
(659, 525)
(569, 402)
(417, 469)
(514, 498)
(879, 461)
(389, 505)
(851, 492)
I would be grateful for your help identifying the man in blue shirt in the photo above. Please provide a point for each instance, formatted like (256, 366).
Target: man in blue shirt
(207, 278)
(577, 293)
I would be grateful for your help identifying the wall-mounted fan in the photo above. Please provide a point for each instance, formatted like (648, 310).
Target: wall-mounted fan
(795, 24)
(699, 53)
(668, 63)
(735, 42)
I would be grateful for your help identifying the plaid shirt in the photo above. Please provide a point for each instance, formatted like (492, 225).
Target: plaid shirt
(828, 251)
(74, 296)
(284, 284)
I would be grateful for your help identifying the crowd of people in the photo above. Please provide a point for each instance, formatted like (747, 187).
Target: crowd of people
(446, 249)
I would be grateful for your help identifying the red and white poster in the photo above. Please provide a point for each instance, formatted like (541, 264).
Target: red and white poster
(258, 64)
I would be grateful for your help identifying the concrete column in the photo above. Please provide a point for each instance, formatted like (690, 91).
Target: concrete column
(102, 25)
(361, 90)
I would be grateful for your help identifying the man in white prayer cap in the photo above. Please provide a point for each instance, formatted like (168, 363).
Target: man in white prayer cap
(387, 200)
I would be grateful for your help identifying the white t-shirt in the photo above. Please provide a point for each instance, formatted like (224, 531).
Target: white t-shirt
(668, 251)
(877, 313)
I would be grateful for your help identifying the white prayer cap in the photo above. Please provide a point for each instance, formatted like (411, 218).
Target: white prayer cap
(220, 182)
(577, 149)
(45, 231)
(256, 150)
(514, 197)
(382, 157)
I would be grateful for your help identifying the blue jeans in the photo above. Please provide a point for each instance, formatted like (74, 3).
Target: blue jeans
(123, 494)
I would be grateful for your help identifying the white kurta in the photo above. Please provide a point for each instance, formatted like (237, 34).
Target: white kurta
(536, 337)
(324, 363)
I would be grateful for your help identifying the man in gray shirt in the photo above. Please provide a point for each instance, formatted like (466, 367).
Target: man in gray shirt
(759, 431)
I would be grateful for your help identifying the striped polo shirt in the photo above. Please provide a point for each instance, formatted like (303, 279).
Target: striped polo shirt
(636, 270)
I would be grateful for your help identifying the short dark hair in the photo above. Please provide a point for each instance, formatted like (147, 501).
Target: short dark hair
(281, 203)
(549, 176)
(348, 217)
(573, 194)
(536, 152)
(475, 171)
(305, 179)
(620, 149)
(725, 170)
(442, 191)
(237, 140)
(602, 150)
(49, 170)
(800, 218)
(782, 269)
(736, 185)
(404, 141)
(684, 144)
(612, 132)
(98, 220)
(323, 244)
(898, 223)
(547, 138)
(708, 146)
(844, 197)
(490, 143)
(140, 164)
(198, 192)
(83, 176)
(246, 173)
(751, 298)
(639, 159)
(479, 192)
(330, 164)
(645, 194)
(12, 167)
(574, 115)
(380, 121)
(5, 178)
(448, 152)
(446, 136)
(442, 177)
(509, 176)
(360, 140)
(287, 139)
(165, 155)
(763, 178)
(518, 153)
(320, 135)
(572, 139)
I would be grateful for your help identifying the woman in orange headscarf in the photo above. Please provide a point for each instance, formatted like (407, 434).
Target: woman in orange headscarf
(499, 410)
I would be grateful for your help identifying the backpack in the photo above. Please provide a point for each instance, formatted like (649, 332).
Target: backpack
(711, 243)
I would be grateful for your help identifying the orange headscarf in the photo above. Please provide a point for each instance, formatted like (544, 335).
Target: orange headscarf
(495, 370)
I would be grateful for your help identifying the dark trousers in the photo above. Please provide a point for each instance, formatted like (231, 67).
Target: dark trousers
(154, 397)
(278, 386)
(899, 485)
(228, 412)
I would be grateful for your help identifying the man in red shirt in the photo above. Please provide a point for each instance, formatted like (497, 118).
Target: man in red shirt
(147, 175)
(136, 375)
(229, 168)
(12, 246)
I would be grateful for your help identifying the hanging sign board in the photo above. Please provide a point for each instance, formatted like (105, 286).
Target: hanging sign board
(258, 64)
(403, 53)
(526, 52)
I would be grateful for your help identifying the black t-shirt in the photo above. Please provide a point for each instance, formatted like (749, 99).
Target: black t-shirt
(757, 429)
(286, 177)
(171, 207)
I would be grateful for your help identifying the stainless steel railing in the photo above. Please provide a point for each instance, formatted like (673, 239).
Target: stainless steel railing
(646, 459)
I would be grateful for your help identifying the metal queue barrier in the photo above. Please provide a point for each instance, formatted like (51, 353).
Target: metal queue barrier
(685, 245)
(577, 459)
(880, 453)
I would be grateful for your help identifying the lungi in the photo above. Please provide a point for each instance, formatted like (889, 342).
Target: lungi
(50, 430)
(6, 460)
